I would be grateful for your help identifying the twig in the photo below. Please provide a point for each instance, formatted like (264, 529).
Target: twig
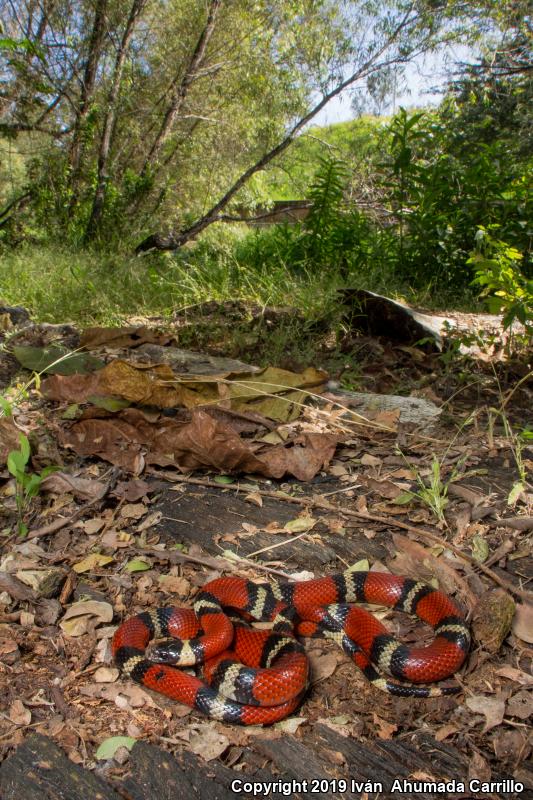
(213, 563)
(422, 532)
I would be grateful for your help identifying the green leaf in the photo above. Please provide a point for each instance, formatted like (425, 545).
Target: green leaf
(24, 447)
(71, 411)
(56, 360)
(109, 747)
(515, 493)
(404, 498)
(32, 484)
(109, 403)
(137, 566)
(16, 464)
(480, 548)
(223, 479)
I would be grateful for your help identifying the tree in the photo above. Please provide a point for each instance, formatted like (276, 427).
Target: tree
(136, 115)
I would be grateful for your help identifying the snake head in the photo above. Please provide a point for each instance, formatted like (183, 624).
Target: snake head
(165, 653)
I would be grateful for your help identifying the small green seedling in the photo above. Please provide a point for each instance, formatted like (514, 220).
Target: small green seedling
(27, 483)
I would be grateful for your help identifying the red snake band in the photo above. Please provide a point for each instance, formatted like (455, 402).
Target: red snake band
(255, 677)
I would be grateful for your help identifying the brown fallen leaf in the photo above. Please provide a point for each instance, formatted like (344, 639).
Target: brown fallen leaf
(91, 562)
(81, 616)
(445, 731)
(133, 511)
(82, 488)
(106, 675)
(207, 742)
(202, 442)
(418, 562)
(521, 705)
(523, 622)
(516, 675)
(323, 665)
(9, 437)
(385, 730)
(19, 714)
(478, 767)
(133, 336)
(127, 695)
(175, 584)
(273, 393)
(492, 708)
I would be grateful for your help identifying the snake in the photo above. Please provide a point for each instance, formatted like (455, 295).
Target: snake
(257, 677)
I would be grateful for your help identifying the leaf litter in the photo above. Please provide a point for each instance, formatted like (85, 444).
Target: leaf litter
(205, 432)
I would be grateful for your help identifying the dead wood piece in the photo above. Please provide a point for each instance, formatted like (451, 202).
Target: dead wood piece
(157, 774)
(191, 362)
(300, 763)
(377, 315)
(39, 769)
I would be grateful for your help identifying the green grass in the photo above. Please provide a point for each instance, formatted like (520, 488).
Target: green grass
(60, 285)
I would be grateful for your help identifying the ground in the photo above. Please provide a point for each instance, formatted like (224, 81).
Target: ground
(127, 542)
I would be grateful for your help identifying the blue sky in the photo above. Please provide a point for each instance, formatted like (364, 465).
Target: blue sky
(424, 77)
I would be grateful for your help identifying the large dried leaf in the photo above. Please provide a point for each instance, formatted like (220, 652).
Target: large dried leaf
(9, 438)
(133, 336)
(202, 442)
(273, 393)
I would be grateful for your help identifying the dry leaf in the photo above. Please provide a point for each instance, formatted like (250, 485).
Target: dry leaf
(255, 498)
(150, 521)
(82, 488)
(91, 562)
(106, 675)
(385, 730)
(128, 696)
(300, 524)
(369, 460)
(492, 708)
(290, 725)
(323, 665)
(521, 705)
(9, 438)
(92, 526)
(207, 742)
(418, 562)
(81, 616)
(175, 584)
(492, 618)
(515, 675)
(523, 622)
(133, 511)
(445, 731)
(19, 714)
(115, 539)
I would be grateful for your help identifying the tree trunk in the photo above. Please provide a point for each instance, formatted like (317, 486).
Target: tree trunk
(180, 88)
(110, 119)
(175, 240)
(87, 91)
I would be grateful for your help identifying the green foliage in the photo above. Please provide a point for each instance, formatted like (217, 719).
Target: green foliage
(440, 198)
(497, 270)
(27, 483)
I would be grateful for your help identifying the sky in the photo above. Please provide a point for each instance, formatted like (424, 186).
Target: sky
(424, 77)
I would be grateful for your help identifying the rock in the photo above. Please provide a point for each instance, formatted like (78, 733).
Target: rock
(423, 413)
(44, 582)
